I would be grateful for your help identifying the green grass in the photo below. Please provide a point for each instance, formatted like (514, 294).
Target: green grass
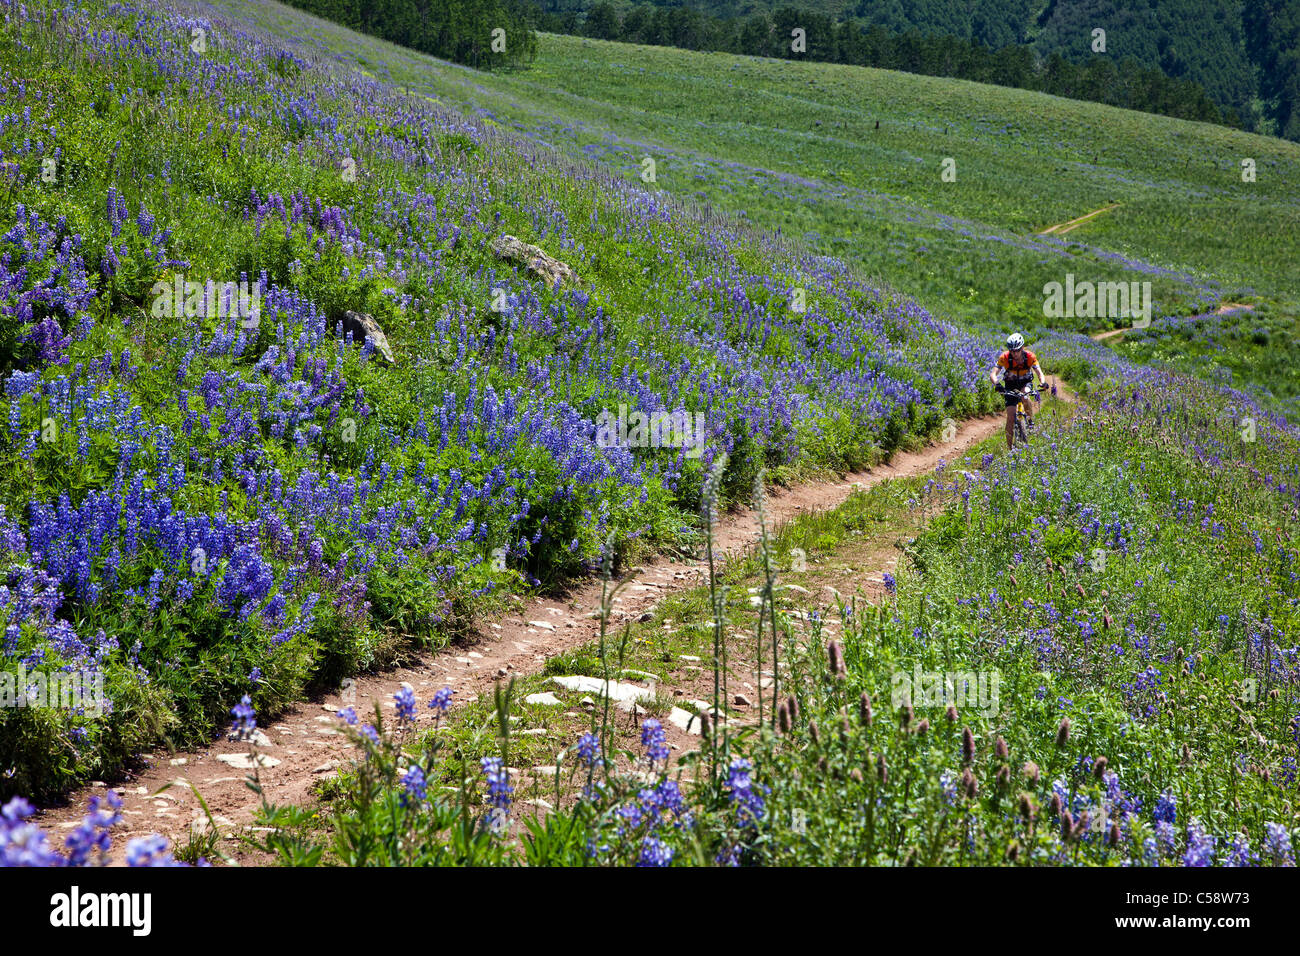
(794, 146)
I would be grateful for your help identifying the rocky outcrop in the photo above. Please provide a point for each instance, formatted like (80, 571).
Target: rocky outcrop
(362, 326)
(538, 262)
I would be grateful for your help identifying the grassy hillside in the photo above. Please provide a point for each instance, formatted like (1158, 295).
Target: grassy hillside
(206, 507)
(794, 146)
(191, 495)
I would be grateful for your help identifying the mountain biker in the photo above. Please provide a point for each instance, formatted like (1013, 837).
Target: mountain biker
(1015, 369)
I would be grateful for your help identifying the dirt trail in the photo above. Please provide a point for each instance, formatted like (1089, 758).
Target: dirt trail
(1223, 309)
(301, 747)
(1061, 228)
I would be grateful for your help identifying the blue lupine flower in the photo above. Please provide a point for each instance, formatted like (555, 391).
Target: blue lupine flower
(744, 795)
(654, 740)
(729, 855)
(441, 701)
(245, 719)
(654, 852)
(405, 699)
(90, 842)
(150, 851)
(1200, 846)
(588, 748)
(415, 788)
(1166, 808)
(1240, 853)
(499, 791)
(1277, 844)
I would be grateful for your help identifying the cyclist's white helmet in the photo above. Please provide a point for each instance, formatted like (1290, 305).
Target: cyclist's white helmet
(1015, 341)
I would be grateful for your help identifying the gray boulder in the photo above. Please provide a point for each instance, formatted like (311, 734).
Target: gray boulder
(538, 262)
(364, 326)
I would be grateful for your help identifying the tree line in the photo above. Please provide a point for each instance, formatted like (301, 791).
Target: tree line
(484, 34)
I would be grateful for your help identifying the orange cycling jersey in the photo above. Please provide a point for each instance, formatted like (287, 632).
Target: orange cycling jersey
(1017, 364)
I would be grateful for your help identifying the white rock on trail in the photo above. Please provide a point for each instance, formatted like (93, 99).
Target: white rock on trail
(691, 723)
(245, 761)
(616, 690)
(545, 699)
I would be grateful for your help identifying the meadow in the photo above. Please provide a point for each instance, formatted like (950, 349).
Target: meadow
(192, 495)
(221, 511)
(850, 160)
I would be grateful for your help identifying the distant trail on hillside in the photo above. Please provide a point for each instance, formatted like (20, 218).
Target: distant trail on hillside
(1223, 309)
(1061, 228)
(303, 747)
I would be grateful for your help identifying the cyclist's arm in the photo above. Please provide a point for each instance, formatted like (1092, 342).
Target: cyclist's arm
(1038, 371)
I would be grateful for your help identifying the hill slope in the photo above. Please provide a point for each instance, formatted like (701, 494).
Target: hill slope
(795, 146)
(207, 498)
(206, 489)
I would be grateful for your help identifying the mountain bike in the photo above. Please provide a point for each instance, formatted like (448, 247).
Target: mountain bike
(1020, 433)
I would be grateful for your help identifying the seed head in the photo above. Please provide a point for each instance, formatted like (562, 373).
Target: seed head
(836, 658)
(1080, 826)
(969, 784)
(967, 745)
(1027, 808)
(1031, 772)
(1063, 732)
(864, 709)
(1001, 749)
(1099, 767)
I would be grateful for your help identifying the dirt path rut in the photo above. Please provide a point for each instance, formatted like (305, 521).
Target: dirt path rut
(302, 746)
(1061, 228)
(1223, 309)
